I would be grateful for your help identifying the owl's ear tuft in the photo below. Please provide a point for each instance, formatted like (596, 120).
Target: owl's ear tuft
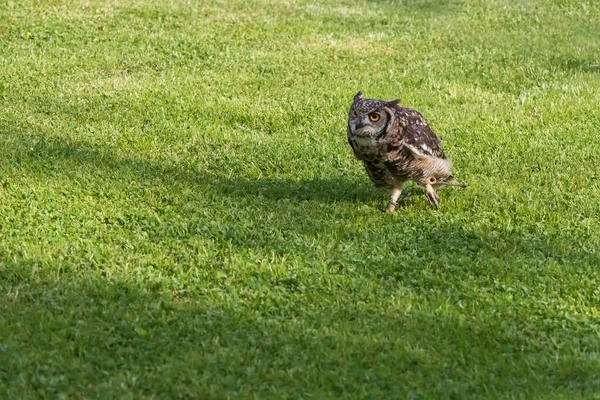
(392, 103)
(358, 96)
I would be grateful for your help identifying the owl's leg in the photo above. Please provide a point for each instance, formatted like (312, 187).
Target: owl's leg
(395, 194)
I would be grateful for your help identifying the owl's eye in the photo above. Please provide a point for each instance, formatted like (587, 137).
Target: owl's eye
(374, 117)
(354, 115)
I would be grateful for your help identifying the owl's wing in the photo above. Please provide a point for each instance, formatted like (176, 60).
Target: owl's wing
(422, 142)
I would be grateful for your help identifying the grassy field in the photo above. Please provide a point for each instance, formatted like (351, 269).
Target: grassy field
(181, 215)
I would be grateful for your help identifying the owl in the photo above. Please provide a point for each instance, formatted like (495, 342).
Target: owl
(396, 145)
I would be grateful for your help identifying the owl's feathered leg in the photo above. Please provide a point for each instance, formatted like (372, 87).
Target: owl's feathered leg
(393, 203)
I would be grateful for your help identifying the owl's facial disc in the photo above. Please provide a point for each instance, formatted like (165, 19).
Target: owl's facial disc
(367, 124)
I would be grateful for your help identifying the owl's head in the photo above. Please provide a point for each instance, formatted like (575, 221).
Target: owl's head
(370, 117)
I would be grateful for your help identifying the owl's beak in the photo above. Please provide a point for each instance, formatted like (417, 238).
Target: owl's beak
(359, 126)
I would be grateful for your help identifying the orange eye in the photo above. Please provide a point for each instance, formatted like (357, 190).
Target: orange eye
(374, 117)
(354, 115)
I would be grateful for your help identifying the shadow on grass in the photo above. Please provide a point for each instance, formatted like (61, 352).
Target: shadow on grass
(100, 338)
(42, 156)
(576, 65)
(420, 7)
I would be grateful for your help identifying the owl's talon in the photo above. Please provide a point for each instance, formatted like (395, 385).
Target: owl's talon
(433, 201)
(391, 206)
(432, 196)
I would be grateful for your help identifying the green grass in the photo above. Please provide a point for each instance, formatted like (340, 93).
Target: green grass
(181, 216)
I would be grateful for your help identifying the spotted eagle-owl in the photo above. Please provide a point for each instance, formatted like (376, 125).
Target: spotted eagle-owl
(396, 145)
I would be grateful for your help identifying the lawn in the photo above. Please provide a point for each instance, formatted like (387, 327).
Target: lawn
(182, 217)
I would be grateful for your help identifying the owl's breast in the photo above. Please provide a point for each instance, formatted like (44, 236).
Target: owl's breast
(367, 148)
(365, 141)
